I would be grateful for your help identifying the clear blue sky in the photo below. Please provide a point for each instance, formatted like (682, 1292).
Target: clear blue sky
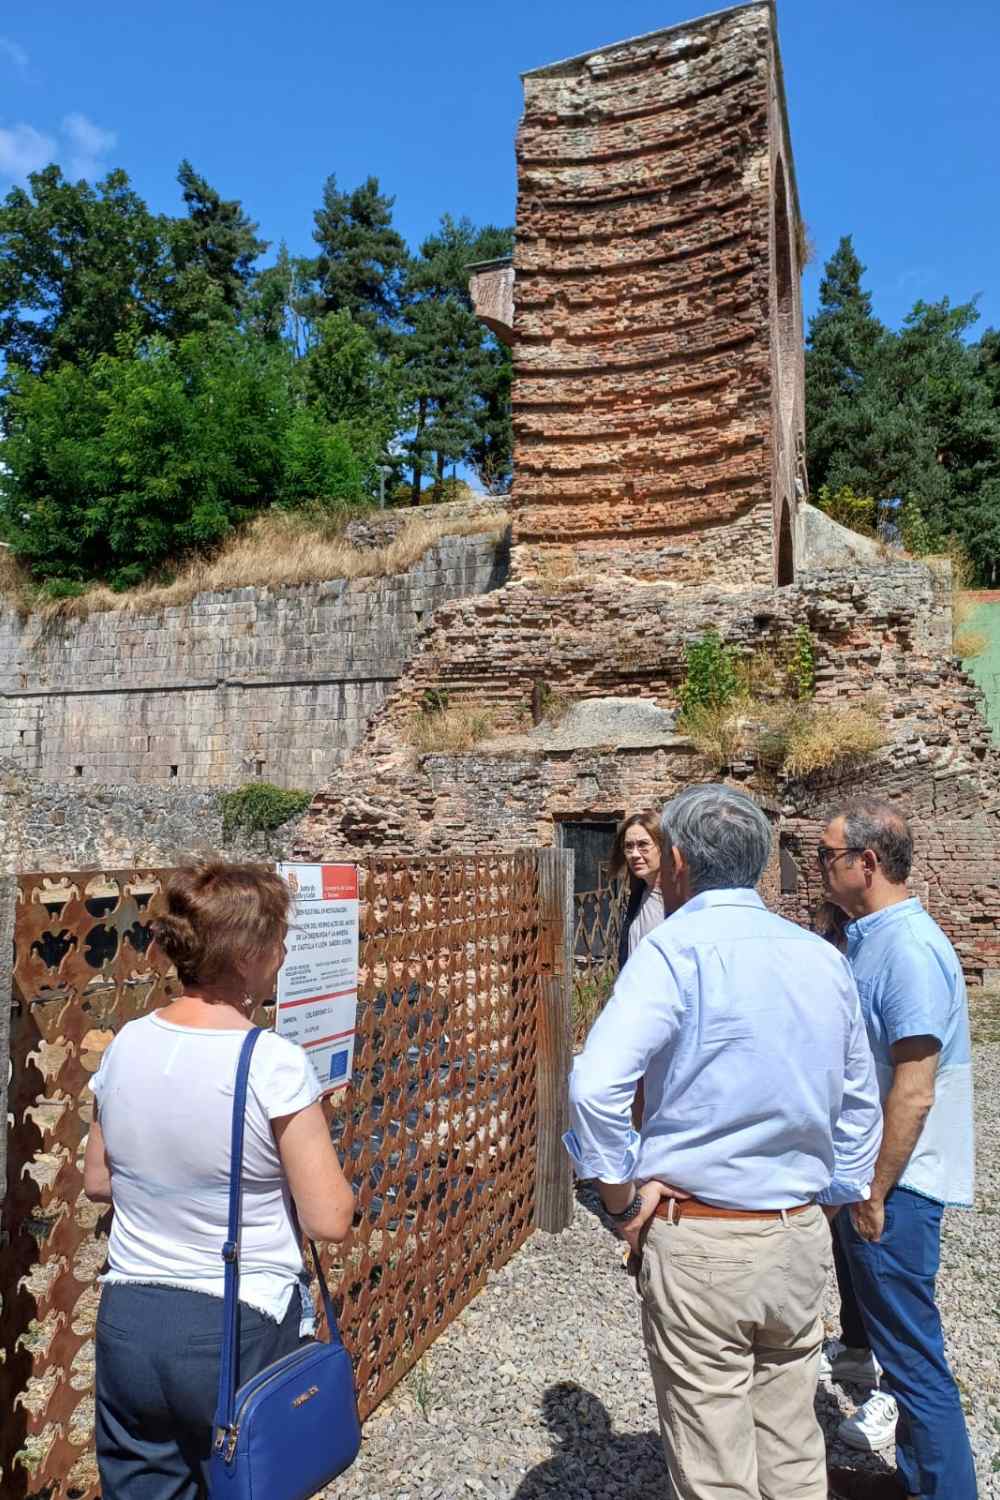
(894, 112)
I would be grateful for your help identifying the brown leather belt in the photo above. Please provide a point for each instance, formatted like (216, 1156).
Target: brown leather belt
(693, 1208)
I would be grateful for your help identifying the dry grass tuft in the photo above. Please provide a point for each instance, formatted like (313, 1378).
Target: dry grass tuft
(832, 737)
(967, 644)
(279, 549)
(451, 730)
(717, 732)
(788, 738)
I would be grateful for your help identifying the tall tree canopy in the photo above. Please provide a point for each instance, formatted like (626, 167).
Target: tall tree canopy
(80, 267)
(159, 386)
(912, 415)
(211, 257)
(362, 258)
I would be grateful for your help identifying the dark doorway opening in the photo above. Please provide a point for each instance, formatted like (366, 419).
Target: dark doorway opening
(786, 548)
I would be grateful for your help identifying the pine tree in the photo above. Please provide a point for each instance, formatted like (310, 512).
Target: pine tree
(362, 258)
(842, 351)
(211, 261)
(458, 377)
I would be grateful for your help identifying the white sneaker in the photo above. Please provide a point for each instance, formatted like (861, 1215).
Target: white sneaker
(850, 1366)
(873, 1425)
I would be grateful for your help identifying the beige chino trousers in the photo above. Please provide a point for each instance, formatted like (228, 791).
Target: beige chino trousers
(731, 1321)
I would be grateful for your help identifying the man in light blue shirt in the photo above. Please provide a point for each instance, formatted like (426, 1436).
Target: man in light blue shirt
(913, 997)
(761, 1103)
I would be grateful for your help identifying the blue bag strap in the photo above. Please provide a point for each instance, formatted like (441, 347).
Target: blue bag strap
(224, 1411)
(226, 1403)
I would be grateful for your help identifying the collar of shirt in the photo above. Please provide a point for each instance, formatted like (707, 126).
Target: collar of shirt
(740, 896)
(863, 927)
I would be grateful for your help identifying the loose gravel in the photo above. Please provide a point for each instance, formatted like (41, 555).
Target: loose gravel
(540, 1390)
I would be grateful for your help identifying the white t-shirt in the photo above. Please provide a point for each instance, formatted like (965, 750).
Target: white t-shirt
(649, 915)
(165, 1101)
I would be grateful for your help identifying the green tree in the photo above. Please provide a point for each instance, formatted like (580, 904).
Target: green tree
(117, 468)
(279, 300)
(212, 252)
(352, 388)
(842, 351)
(457, 377)
(80, 266)
(362, 258)
(911, 414)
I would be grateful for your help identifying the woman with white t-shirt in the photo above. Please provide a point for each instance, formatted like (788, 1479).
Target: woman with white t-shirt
(159, 1150)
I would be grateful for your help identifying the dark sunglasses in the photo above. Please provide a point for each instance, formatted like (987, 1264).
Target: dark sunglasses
(826, 856)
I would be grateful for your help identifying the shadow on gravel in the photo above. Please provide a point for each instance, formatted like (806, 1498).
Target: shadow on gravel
(593, 1462)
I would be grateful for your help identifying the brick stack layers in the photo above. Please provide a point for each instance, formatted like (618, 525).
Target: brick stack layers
(653, 292)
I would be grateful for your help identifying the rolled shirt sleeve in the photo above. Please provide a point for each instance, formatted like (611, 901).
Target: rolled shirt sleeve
(857, 1134)
(642, 1017)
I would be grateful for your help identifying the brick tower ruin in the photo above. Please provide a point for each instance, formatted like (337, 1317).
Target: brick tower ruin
(657, 323)
(660, 494)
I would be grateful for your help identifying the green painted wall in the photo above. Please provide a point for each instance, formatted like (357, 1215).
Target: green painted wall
(985, 620)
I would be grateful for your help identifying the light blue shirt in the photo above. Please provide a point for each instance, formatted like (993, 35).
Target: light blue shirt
(760, 1086)
(911, 984)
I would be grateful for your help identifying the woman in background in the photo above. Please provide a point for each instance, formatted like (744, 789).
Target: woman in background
(159, 1153)
(638, 848)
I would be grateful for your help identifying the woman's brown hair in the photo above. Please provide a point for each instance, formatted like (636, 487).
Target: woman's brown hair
(219, 919)
(650, 821)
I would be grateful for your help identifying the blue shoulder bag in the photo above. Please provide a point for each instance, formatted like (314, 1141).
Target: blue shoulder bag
(291, 1429)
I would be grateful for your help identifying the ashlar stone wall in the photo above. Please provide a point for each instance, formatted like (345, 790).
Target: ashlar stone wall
(255, 682)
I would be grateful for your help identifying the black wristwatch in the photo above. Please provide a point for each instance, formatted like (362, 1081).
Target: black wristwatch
(628, 1213)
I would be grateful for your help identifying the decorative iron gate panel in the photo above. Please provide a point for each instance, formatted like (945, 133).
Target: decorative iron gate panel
(439, 1129)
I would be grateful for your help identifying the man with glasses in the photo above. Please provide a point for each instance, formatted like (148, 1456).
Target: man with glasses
(913, 998)
(761, 1108)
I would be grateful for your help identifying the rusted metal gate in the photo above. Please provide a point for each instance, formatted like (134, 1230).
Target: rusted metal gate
(450, 1129)
(597, 924)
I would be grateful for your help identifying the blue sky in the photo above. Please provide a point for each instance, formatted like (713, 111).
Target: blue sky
(893, 103)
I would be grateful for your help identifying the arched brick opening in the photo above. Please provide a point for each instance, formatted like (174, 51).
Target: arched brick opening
(786, 547)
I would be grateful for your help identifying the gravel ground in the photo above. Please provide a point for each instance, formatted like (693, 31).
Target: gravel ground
(540, 1390)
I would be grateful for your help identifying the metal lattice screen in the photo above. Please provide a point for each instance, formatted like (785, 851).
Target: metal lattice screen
(439, 1129)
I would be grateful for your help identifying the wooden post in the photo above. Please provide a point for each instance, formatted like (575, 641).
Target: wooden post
(553, 1173)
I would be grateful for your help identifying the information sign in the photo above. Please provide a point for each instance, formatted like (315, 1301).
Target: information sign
(318, 982)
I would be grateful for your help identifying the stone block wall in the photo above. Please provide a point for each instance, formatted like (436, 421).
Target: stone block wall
(58, 827)
(656, 288)
(277, 684)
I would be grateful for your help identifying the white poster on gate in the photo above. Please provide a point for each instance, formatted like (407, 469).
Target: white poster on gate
(318, 982)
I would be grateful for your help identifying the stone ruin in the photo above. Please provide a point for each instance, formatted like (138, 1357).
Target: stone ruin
(653, 308)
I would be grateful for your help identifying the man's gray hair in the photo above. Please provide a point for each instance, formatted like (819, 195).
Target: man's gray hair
(723, 835)
(871, 823)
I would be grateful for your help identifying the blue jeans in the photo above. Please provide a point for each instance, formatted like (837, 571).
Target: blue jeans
(894, 1283)
(157, 1355)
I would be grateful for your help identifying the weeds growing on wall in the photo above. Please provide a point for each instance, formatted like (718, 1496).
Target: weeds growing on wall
(802, 666)
(450, 730)
(762, 709)
(713, 676)
(260, 807)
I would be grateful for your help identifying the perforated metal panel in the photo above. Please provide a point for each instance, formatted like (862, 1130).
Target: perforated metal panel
(438, 1129)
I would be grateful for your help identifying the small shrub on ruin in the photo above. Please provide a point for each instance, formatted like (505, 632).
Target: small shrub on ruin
(260, 807)
(848, 508)
(712, 678)
(803, 664)
(451, 730)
